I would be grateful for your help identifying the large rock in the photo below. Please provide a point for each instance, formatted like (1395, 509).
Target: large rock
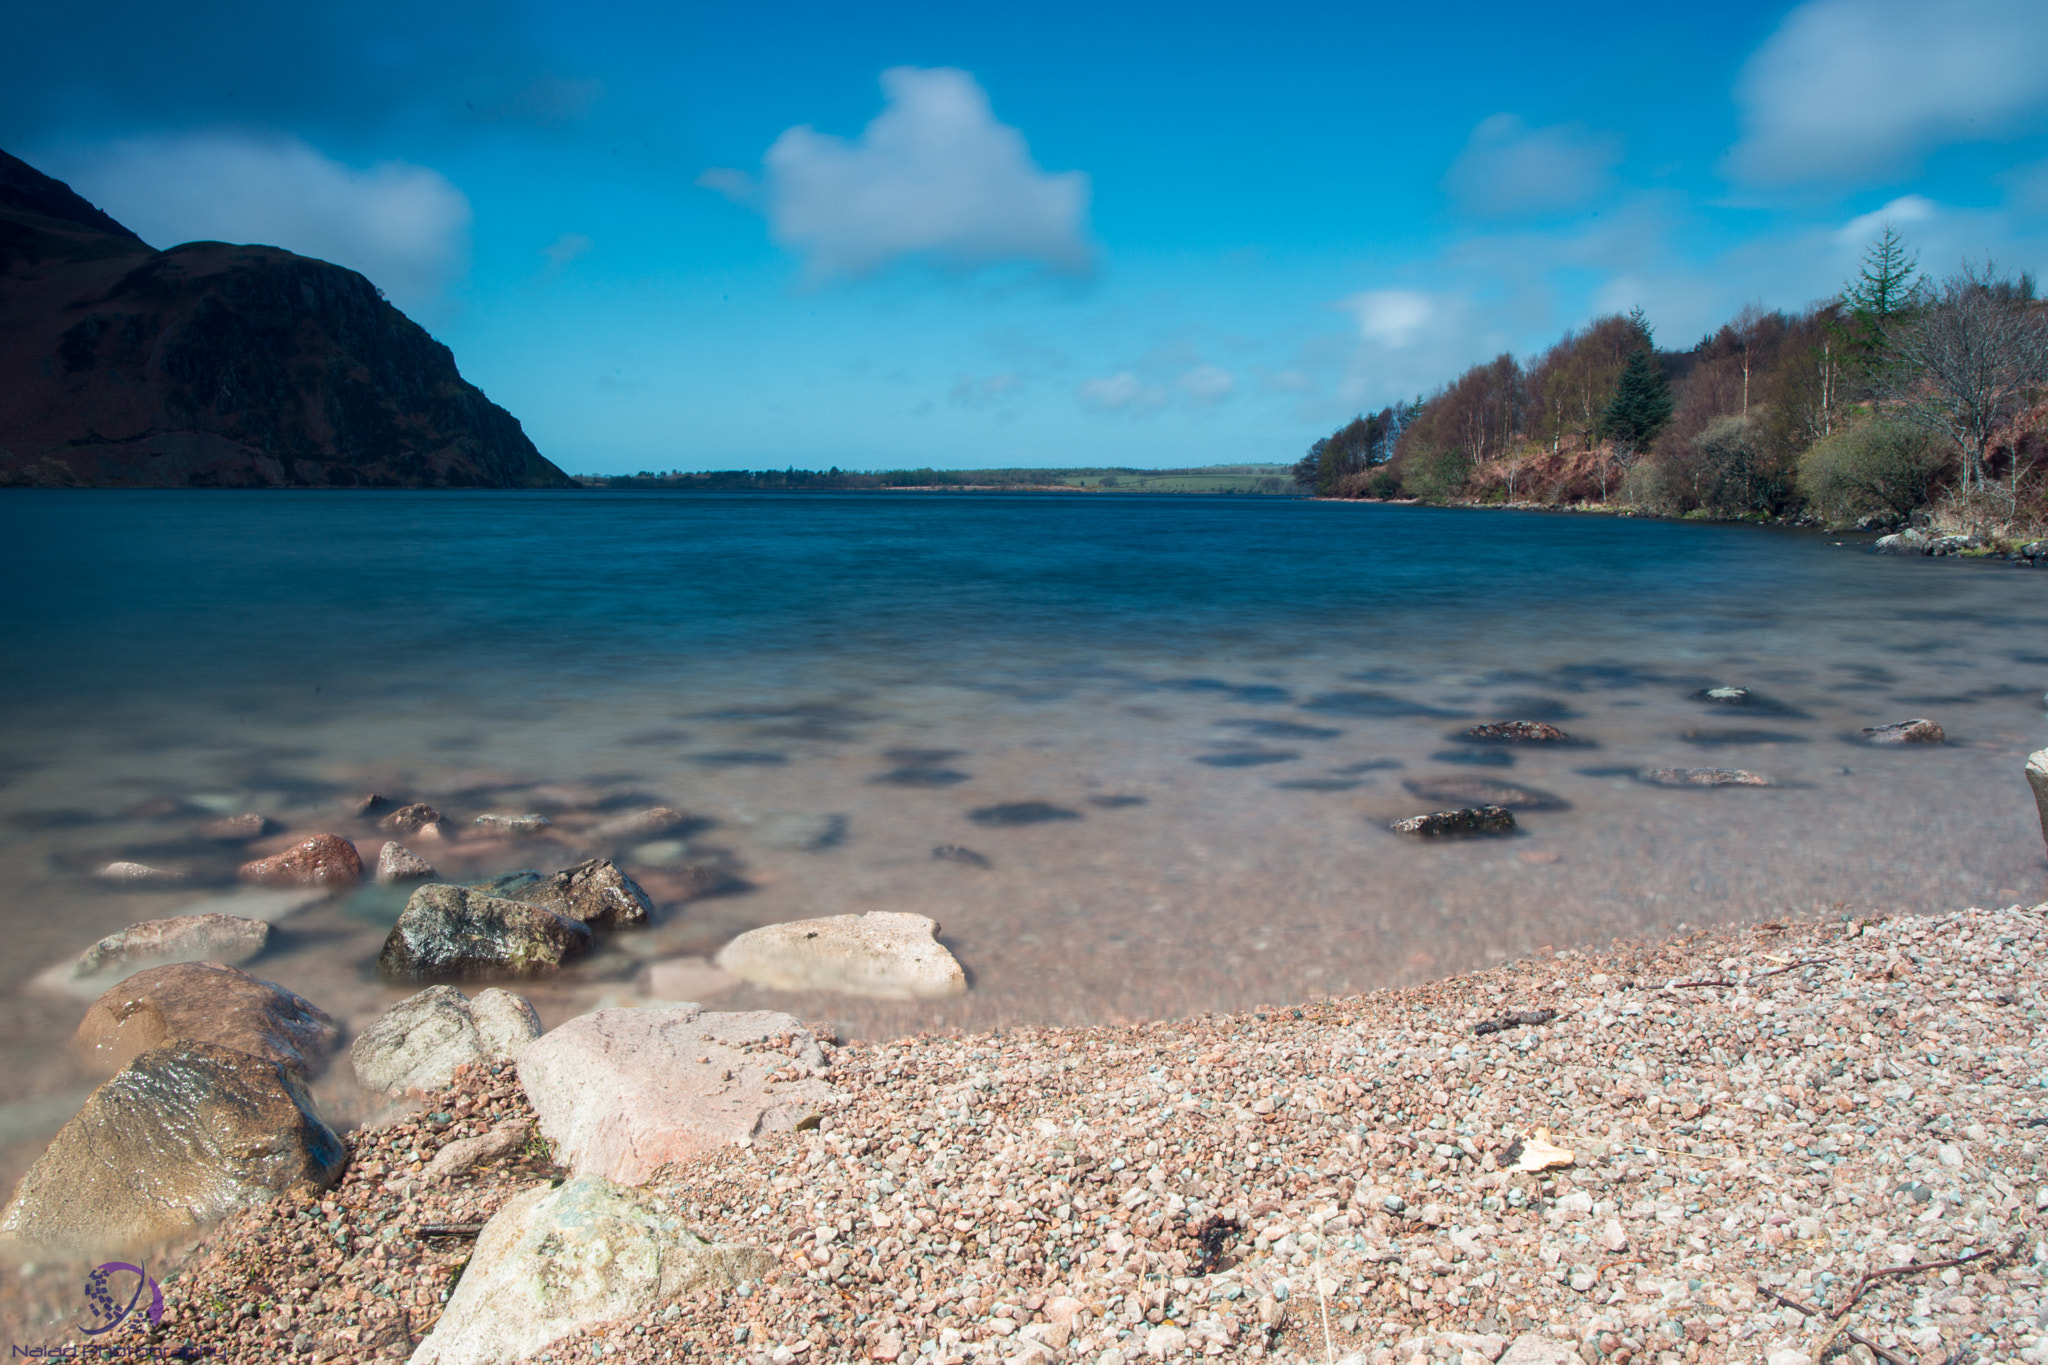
(420, 1042)
(1456, 824)
(204, 1002)
(232, 939)
(884, 955)
(453, 933)
(595, 893)
(1905, 732)
(623, 1092)
(2037, 778)
(183, 1135)
(323, 860)
(554, 1261)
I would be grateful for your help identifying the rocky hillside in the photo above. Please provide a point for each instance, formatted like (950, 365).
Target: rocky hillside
(216, 366)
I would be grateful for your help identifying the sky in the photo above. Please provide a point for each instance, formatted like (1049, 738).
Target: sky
(687, 236)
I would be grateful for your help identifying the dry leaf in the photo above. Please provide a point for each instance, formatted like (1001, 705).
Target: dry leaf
(1539, 1153)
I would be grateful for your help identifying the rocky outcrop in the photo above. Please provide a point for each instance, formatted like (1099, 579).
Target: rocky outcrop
(554, 1261)
(231, 939)
(623, 1092)
(205, 1002)
(1905, 732)
(183, 1135)
(451, 933)
(214, 366)
(420, 1042)
(883, 955)
(1456, 824)
(323, 860)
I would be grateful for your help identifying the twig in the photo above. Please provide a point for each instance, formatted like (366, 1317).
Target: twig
(1723, 981)
(1515, 1019)
(1841, 1315)
(448, 1229)
(1857, 1337)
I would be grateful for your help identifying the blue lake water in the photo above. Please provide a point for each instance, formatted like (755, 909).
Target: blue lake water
(1230, 698)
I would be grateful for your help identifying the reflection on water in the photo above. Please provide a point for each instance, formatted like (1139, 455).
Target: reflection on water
(1136, 756)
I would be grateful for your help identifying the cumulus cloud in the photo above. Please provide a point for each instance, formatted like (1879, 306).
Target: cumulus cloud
(934, 175)
(1122, 393)
(404, 226)
(1508, 168)
(1206, 385)
(1392, 318)
(1859, 90)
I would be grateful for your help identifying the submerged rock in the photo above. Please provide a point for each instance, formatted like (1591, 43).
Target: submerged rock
(183, 1135)
(1704, 777)
(956, 853)
(452, 933)
(1518, 732)
(236, 829)
(418, 818)
(883, 955)
(1920, 731)
(1483, 791)
(138, 872)
(651, 823)
(180, 938)
(204, 1002)
(1021, 813)
(397, 863)
(797, 832)
(500, 823)
(623, 1092)
(419, 1043)
(323, 860)
(554, 1261)
(1457, 823)
(595, 893)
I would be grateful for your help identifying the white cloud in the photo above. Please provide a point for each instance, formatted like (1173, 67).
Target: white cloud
(1859, 90)
(1508, 168)
(933, 175)
(1907, 208)
(1206, 385)
(1391, 317)
(404, 226)
(1123, 392)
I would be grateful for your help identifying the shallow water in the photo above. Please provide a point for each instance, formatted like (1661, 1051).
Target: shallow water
(1216, 703)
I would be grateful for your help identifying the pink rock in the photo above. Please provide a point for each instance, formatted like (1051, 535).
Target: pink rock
(203, 1002)
(623, 1092)
(323, 860)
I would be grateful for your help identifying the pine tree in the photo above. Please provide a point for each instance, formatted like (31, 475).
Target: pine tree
(1641, 406)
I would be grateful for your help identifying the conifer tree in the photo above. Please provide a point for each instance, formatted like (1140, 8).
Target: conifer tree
(1641, 406)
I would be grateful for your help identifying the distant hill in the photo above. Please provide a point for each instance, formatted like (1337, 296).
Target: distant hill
(216, 366)
(1258, 479)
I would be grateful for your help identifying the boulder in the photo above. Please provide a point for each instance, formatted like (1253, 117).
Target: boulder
(420, 1042)
(138, 872)
(2037, 778)
(236, 829)
(418, 818)
(2033, 549)
(450, 932)
(1518, 732)
(623, 1092)
(497, 822)
(323, 860)
(554, 1261)
(183, 1135)
(1905, 732)
(883, 955)
(595, 893)
(397, 863)
(1455, 824)
(1704, 777)
(1484, 791)
(181, 938)
(204, 1002)
(1907, 542)
(650, 823)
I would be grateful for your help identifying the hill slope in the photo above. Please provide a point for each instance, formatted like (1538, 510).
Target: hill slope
(211, 365)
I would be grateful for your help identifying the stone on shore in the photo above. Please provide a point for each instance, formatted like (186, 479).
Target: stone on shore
(2037, 778)
(464, 1155)
(554, 1261)
(595, 893)
(184, 1134)
(180, 938)
(453, 933)
(1453, 824)
(1905, 732)
(1704, 777)
(417, 818)
(397, 863)
(650, 823)
(138, 872)
(323, 860)
(420, 1042)
(883, 955)
(623, 1092)
(1519, 732)
(204, 1002)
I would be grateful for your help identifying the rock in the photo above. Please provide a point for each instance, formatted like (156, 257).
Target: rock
(622, 1092)
(2037, 778)
(371, 806)
(397, 863)
(236, 829)
(1724, 696)
(498, 823)
(183, 1135)
(1457, 823)
(420, 1042)
(883, 955)
(1704, 777)
(955, 853)
(465, 1154)
(323, 860)
(1905, 732)
(1165, 1341)
(1482, 791)
(138, 872)
(1613, 1237)
(2035, 549)
(1519, 732)
(554, 1261)
(1907, 542)
(1532, 1348)
(418, 818)
(650, 823)
(454, 933)
(595, 893)
(205, 1002)
(1787, 1355)
(689, 979)
(181, 938)
(1021, 813)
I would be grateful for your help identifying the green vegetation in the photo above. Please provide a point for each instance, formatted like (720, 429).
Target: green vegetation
(1226, 479)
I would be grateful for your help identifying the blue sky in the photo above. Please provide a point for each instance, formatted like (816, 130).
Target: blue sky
(687, 236)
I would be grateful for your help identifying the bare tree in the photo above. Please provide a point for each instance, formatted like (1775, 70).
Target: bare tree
(1971, 359)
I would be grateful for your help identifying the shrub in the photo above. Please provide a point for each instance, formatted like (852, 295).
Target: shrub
(1877, 468)
(1435, 476)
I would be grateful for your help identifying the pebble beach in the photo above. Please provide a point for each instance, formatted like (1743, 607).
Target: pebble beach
(1773, 1143)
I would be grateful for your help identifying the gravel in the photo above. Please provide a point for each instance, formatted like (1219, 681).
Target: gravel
(1758, 1119)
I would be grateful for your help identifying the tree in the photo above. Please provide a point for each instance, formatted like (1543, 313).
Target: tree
(1640, 408)
(1969, 359)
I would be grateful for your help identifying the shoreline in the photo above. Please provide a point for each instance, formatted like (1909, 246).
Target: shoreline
(1755, 1115)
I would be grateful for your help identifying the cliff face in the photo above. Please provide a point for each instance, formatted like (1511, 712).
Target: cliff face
(221, 366)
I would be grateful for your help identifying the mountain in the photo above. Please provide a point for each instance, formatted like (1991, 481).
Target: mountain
(217, 366)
